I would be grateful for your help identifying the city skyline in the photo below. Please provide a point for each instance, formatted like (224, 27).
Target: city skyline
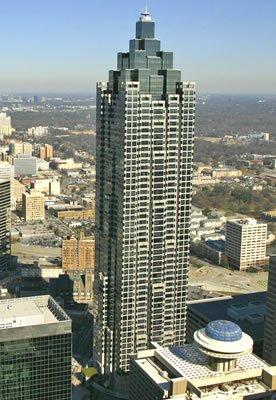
(59, 42)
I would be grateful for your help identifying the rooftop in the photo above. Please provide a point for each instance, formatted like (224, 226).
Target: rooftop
(188, 361)
(218, 308)
(30, 311)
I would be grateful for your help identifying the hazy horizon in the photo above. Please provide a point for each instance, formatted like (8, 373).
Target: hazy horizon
(225, 47)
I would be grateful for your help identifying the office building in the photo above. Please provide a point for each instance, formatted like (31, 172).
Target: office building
(46, 152)
(33, 206)
(269, 349)
(5, 125)
(145, 128)
(78, 261)
(217, 365)
(20, 148)
(17, 191)
(78, 254)
(25, 165)
(5, 204)
(6, 170)
(245, 243)
(35, 350)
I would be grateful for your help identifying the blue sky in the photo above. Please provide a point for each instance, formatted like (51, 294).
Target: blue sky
(225, 46)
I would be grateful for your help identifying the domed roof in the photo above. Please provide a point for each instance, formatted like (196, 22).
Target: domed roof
(224, 331)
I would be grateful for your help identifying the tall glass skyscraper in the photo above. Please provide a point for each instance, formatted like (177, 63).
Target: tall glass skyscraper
(145, 131)
(5, 204)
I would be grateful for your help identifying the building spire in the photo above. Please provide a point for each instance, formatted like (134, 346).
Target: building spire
(145, 15)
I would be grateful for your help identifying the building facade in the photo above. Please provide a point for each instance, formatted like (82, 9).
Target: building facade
(46, 152)
(5, 204)
(269, 349)
(35, 350)
(145, 129)
(78, 254)
(33, 206)
(20, 148)
(25, 165)
(245, 243)
(78, 261)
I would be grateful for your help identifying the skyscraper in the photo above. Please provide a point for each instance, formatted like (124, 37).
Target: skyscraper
(269, 349)
(5, 204)
(145, 128)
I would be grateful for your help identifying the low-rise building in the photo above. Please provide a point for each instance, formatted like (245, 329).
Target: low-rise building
(226, 173)
(74, 212)
(67, 164)
(219, 364)
(38, 131)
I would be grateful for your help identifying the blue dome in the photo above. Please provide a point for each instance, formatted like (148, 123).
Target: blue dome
(225, 331)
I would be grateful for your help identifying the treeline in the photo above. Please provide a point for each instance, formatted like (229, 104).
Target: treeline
(235, 199)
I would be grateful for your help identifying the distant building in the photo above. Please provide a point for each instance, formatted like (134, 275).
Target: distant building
(54, 188)
(5, 125)
(42, 165)
(6, 170)
(48, 186)
(217, 365)
(17, 191)
(245, 243)
(38, 131)
(5, 204)
(46, 152)
(269, 353)
(66, 164)
(33, 206)
(73, 212)
(259, 136)
(25, 165)
(204, 180)
(226, 173)
(212, 250)
(78, 262)
(36, 350)
(20, 148)
(78, 254)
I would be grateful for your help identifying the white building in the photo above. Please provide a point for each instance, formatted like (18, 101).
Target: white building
(38, 131)
(20, 148)
(5, 125)
(245, 243)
